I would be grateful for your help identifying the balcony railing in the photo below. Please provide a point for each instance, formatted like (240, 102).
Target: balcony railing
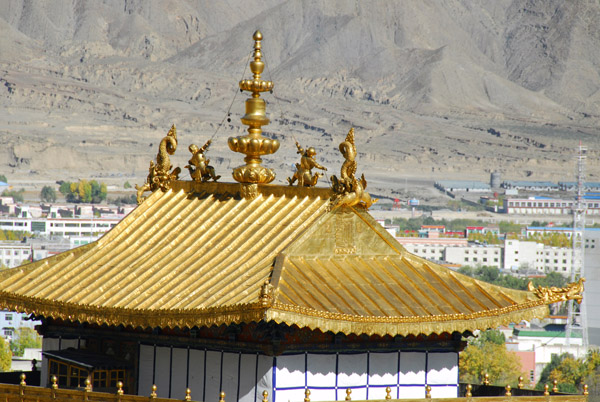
(477, 393)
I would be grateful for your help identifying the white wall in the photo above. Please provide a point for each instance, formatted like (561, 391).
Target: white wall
(244, 377)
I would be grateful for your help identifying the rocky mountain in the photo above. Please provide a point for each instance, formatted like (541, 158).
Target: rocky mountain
(434, 89)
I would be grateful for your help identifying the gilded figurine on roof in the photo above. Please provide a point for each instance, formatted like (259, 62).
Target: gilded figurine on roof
(350, 191)
(160, 175)
(303, 173)
(198, 165)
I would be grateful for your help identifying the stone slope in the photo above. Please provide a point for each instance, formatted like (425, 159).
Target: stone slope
(88, 89)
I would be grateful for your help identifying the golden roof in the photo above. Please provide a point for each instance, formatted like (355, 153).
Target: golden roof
(200, 253)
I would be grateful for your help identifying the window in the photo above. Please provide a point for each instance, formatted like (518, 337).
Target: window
(7, 332)
(60, 370)
(115, 377)
(77, 377)
(100, 377)
(8, 317)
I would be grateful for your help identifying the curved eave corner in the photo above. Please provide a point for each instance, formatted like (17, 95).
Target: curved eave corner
(404, 326)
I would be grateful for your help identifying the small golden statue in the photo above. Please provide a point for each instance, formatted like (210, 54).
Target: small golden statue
(348, 189)
(303, 171)
(160, 174)
(199, 167)
(573, 291)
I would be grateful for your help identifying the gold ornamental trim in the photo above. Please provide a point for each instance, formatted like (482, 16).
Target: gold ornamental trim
(279, 312)
(163, 318)
(404, 326)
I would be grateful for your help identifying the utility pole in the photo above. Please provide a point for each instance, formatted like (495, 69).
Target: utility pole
(577, 318)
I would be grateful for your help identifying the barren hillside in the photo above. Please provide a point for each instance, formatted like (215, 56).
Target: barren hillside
(435, 89)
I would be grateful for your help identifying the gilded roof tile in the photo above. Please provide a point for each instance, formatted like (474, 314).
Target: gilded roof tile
(199, 254)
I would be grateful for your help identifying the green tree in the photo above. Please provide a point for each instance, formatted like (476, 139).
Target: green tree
(128, 185)
(3, 178)
(24, 338)
(5, 355)
(84, 191)
(491, 335)
(571, 373)
(48, 194)
(488, 355)
(17, 195)
(98, 192)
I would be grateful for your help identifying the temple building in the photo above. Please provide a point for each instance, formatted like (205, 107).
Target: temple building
(247, 287)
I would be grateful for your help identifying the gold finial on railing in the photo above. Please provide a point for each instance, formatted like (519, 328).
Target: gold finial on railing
(469, 389)
(348, 392)
(486, 379)
(555, 386)
(520, 385)
(120, 388)
(54, 382)
(388, 393)
(428, 392)
(222, 396)
(153, 393)
(23, 383)
(188, 394)
(265, 396)
(585, 390)
(307, 395)
(88, 385)
(546, 390)
(507, 388)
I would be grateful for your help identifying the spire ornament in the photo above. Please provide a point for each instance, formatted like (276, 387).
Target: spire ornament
(254, 145)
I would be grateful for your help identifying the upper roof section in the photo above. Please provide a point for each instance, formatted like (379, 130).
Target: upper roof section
(202, 252)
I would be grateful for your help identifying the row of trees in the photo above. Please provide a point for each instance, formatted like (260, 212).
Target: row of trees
(494, 276)
(571, 373)
(453, 225)
(487, 354)
(83, 191)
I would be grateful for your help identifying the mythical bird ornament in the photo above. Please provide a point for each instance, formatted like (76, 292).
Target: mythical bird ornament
(199, 167)
(350, 191)
(160, 175)
(303, 171)
(553, 294)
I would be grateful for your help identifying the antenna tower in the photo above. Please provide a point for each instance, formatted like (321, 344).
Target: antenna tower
(576, 316)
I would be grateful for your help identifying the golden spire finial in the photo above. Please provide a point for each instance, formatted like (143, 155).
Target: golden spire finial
(254, 145)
